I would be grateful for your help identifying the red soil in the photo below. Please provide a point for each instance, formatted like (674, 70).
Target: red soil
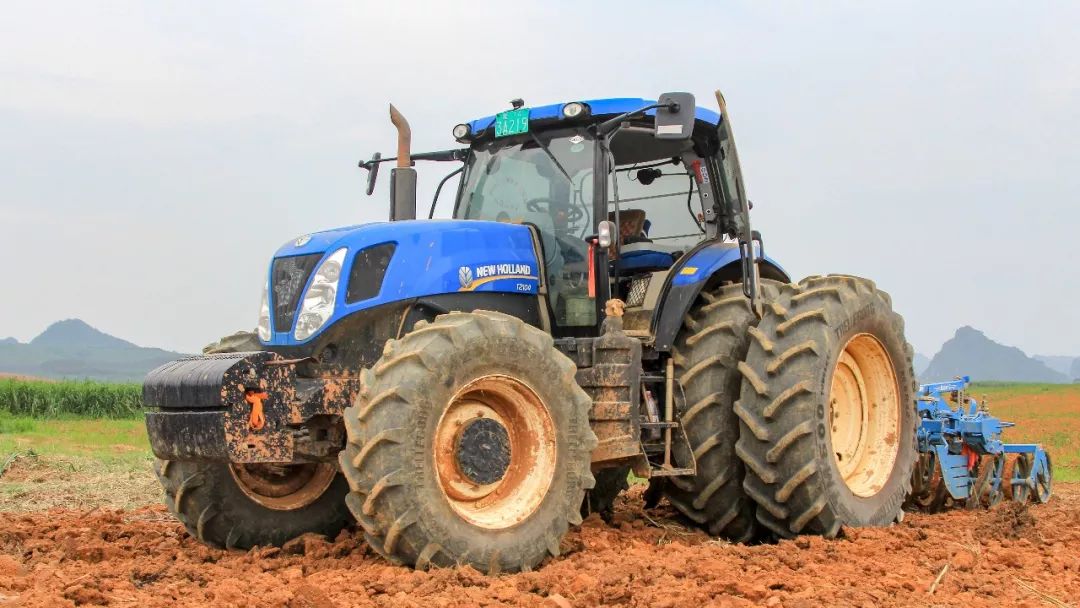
(1008, 556)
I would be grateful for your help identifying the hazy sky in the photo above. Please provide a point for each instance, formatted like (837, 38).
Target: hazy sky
(154, 155)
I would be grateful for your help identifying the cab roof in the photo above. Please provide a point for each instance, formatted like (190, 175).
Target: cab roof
(597, 107)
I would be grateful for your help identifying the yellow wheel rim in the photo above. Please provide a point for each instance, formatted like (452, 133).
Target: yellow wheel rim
(495, 452)
(865, 414)
(283, 487)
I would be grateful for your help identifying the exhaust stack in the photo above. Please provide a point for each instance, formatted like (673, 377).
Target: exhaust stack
(403, 177)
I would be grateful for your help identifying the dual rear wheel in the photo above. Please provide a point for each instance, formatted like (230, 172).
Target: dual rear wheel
(801, 422)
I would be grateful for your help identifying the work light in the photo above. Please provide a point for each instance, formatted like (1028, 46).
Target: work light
(573, 109)
(320, 296)
(461, 133)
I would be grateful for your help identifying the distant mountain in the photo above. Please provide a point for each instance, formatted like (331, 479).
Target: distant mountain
(1062, 365)
(1074, 373)
(920, 362)
(8, 341)
(73, 349)
(971, 353)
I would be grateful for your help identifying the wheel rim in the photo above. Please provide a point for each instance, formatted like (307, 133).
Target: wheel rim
(865, 415)
(283, 487)
(495, 452)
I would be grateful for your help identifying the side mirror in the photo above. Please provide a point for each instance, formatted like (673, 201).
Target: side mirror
(675, 119)
(373, 172)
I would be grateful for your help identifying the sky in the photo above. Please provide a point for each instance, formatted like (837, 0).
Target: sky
(154, 155)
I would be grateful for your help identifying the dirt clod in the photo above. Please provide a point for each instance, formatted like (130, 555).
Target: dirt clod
(1010, 520)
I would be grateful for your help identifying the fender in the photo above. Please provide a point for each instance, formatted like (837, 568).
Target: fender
(706, 264)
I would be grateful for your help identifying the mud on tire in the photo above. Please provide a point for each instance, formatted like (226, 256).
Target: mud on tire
(206, 498)
(409, 503)
(711, 344)
(794, 431)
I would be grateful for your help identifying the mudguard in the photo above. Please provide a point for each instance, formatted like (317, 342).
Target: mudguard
(691, 274)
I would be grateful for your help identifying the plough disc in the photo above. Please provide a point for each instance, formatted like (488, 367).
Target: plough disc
(1018, 470)
(1044, 478)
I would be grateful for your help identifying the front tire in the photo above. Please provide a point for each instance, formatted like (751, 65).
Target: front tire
(469, 443)
(827, 410)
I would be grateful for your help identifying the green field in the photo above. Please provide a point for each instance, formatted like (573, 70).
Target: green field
(74, 463)
(47, 399)
(1044, 413)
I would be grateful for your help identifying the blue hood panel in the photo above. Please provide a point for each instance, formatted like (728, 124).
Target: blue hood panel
(431, 257)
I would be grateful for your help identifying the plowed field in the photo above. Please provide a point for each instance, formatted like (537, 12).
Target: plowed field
(1008, 556)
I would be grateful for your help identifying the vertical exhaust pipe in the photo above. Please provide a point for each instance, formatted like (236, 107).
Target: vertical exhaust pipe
(403, 177)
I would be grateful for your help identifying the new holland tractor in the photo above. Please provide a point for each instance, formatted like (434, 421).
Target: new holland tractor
(467, 389)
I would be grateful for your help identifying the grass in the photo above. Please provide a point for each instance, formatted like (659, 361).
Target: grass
(45, 399)
(74, 462)
(98, 439)
(1048, 414)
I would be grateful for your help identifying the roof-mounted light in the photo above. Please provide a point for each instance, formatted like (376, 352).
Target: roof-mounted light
(574, 109)
(462, 133)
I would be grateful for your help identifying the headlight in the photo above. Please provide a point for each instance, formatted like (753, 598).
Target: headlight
(264, 315)
(462, 132)
(320, 296)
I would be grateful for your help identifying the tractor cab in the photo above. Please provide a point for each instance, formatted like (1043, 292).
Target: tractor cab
(621, 194)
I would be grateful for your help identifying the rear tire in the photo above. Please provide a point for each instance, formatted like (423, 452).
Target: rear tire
(827, 411)
(422, 494)
(713, 341)
(211, 503)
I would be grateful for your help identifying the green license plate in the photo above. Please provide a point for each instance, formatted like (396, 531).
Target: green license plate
(512, 122)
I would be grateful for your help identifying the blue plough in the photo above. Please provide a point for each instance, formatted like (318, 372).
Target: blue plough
(962, 459)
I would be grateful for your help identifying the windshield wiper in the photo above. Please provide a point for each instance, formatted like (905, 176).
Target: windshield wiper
(544, 147)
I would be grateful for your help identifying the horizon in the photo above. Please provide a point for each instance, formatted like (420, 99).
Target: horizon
(157, 155)
(929, 356)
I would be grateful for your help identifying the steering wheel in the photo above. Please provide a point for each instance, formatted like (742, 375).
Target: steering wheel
(573, 214)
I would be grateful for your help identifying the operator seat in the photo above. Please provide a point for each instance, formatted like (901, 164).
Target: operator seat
(638, 253)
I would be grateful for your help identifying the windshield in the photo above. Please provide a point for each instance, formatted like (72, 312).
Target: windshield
(540, 178)
(544, 179)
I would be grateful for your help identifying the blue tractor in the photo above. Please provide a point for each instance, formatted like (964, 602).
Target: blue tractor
(467, 389)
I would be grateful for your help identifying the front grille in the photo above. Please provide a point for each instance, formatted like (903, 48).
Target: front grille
(368, 269)
(288, 277)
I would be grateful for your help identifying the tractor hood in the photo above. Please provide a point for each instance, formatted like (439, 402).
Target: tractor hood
(393, 261)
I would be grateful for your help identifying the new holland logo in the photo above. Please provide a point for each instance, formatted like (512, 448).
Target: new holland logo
(472, 277)
(465, 276)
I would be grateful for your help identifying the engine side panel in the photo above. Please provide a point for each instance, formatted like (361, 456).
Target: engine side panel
(431, 257)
